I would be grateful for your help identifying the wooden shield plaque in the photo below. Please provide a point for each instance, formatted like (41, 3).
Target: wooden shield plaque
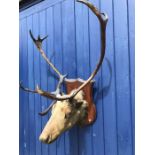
(72, 84)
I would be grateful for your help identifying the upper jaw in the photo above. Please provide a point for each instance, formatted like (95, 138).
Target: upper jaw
(51, 141)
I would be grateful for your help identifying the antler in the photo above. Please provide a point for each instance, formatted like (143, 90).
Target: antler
(38, 44)
(48, 109)
(57, 95)
(103, 18)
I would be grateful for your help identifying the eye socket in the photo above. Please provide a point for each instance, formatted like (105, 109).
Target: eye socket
(78, 104)
(68, 115)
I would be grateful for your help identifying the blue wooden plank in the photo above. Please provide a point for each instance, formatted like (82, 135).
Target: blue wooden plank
(82, 40)
(38, 7)
(21, 110)
(43, 67)
(31, 85)
(83, 70)
(131, 35)
(37, 81)
(58, 57)
(108, 78)
(116, 116)
(124, 122)
(98, 130)
(69, 63)
(49, 52)
(25, 82)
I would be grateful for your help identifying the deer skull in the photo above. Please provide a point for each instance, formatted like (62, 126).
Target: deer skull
(67, 109)
(64, 115)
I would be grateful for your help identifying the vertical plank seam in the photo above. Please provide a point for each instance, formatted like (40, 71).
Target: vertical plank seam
(89, 71)
(24, 98)
(76, 72)
(102, 82)
(40, 76)
(129, 50)
(34, 94)
(21, 96)
(27, 95)
(62, 61)
(34, 86)
(47, 68)
(62, 58)
(56, 143)
(115, 82)
(62, 37)
(92, 148)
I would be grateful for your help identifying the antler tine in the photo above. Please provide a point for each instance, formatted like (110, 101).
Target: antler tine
(43, 93)
(39, 91)
(46, 94)
(48, 109)
(26, 89)
(61, 80)
(38, 44)
(58, 91)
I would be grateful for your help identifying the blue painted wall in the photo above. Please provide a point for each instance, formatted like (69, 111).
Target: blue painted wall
(74, 38)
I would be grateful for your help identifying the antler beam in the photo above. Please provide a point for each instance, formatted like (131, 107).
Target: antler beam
(48, 109)
(57, 95)
(38, 43)
(103, 18)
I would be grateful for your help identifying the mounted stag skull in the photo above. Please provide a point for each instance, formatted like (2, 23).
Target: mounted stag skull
(67, 109)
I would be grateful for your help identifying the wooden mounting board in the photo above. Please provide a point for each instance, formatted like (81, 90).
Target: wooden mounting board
(72, 84)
